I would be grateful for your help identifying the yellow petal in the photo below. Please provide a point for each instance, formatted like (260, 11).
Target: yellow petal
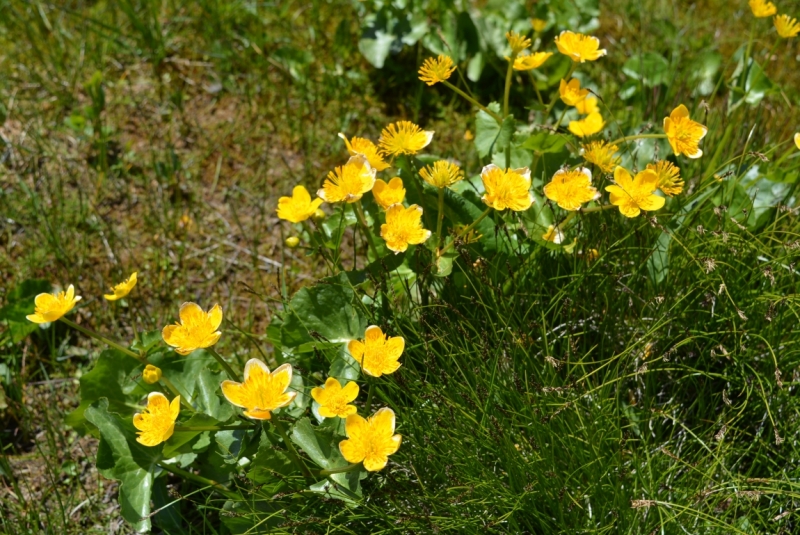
(234, 393)
(215, 316)
(350, 391)
(190, 312)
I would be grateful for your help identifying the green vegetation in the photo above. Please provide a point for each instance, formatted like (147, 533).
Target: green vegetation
(639, 377)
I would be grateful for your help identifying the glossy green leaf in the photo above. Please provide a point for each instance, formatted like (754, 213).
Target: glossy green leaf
(489, 135)
(649, 68)
(318, 444)
(544, 141)
(324, 312)
(120, 457)
(180, 441)
(208, 396)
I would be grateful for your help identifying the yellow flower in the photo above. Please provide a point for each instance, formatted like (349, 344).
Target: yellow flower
(587, 106)
(196, 329)
(684, 134)
(436, 70)
(517, 42)
(571, 92)
(403, 227)
(507, 189)
(157, 422)
(298, 207)
(333, 399)
(579, 47)
(389, 194)
(589, 125)
(787, 26)
(123, 288)
(377, 354)
(366, 148)
(601, 153)
(570, 189)
(669, 179)
(538, 25)
(50, 307)
(349, 182)
(370, 440)
(403, 137)
(151, 374)
(469, 136)
(553, 235)
(262, 391)
(442, 174)
(531, 61)
(762, 9)
(292, 242)
(632, 195)
(797, 140)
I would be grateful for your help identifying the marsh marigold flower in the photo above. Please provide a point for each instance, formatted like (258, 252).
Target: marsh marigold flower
(587, 106)
(403, 137)
(571, 92)
(669, 178)
(508, 188)
(538, 25)
(797, 140)
(571, 189)
(333, 399)
(762, 9)
(377, 354)
(601, 154)
(436, 70)
(261, 392)
(441, 174)
(786, 26)
(389, 194)
(683, 134)
(553, 235)
(370, 440)
(122, 289)
(517, 42)
(349, 182)
(366, 148)
(292, 242)
(531, 61)
(588, 126)
(298, 207)
(196, 329)
(403, 227)
(151, 374)
(50, 307)
(632, 195)
(157, 422)
(579, 47)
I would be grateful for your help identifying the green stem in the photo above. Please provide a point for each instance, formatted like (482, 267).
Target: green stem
(283, 267)
(290, 448)
(359, 211)
(638, 136)
(466, 230)
(343, 470)
(507, 91)
(199, 479)
(225, 366)
(561, 118)
(175, 392)
(595, 209)
(441, 218)
(212, 427)
(370, 392)
(536, 87)
(494, 115)
(106, 341)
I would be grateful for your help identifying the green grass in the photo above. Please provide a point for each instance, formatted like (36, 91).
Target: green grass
(582, 397)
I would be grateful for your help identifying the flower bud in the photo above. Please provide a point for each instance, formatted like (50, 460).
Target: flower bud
(319, 215)
(151, 374)
(292, 242)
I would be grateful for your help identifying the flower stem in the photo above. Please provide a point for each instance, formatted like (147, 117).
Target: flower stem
(441, 218)
(466, 230)
(175, 392)
(106, 341)
(536, 87)
(212, 427)
(198, 479)
(371, 390)
(225, 366)
(638, 136)
(554, 96)
(290, 448)
(596, 209)
(342, 470)
(494, 116)
(359, 211)
(507, 91)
